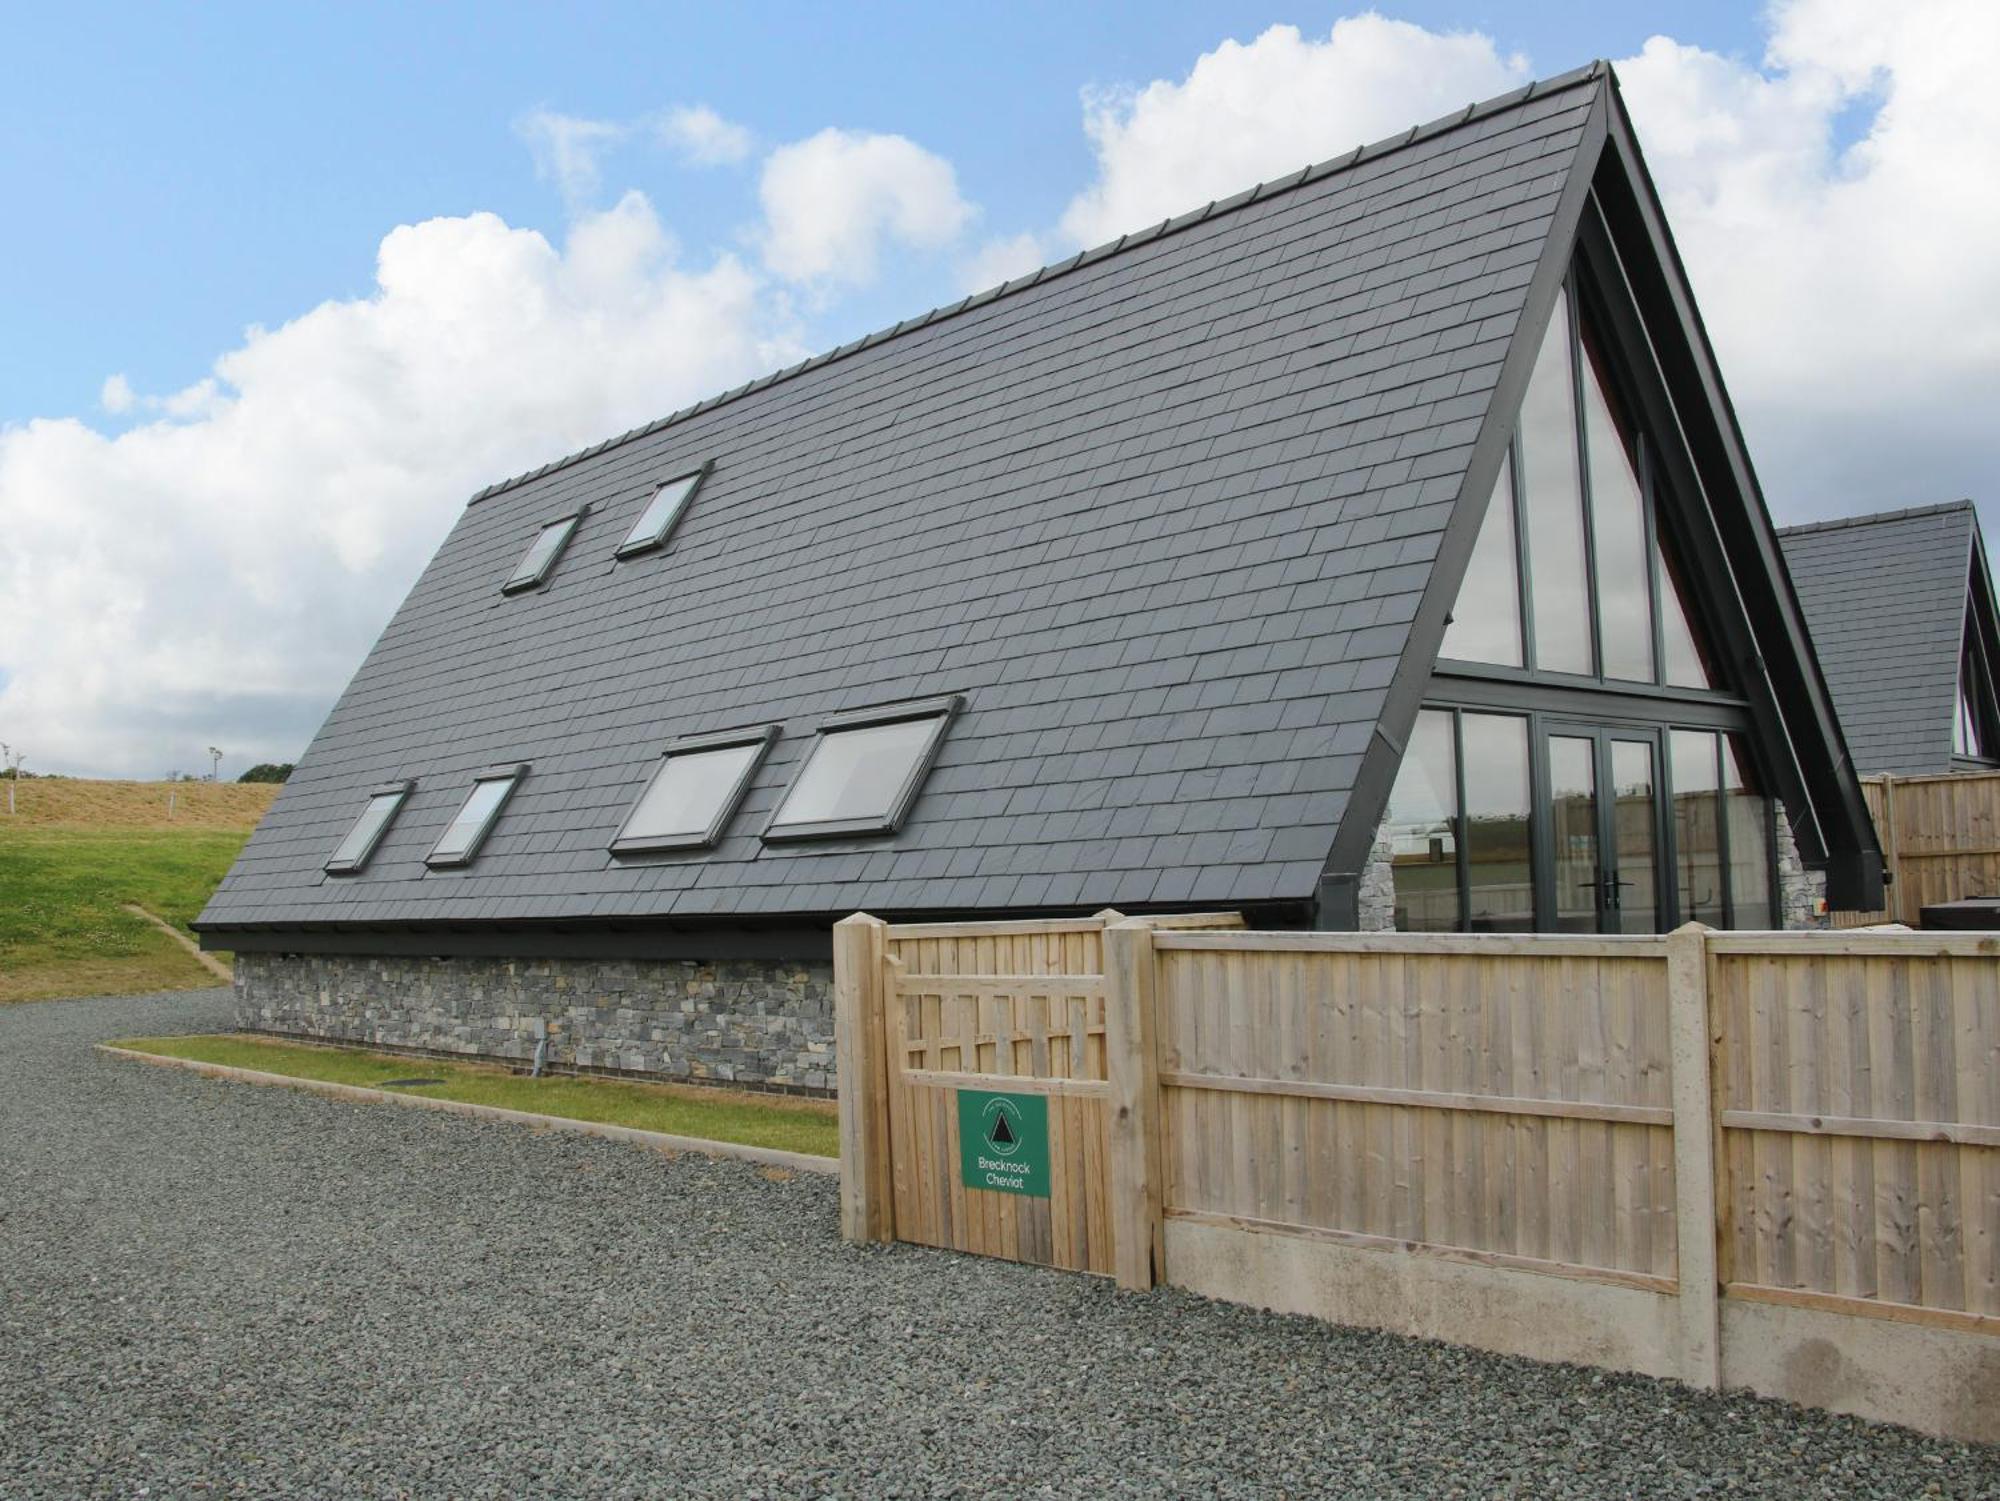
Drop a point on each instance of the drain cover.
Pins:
(407, 1083)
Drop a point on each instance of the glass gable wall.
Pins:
(1614, 788)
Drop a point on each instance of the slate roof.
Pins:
(1163, 514)
(1885, 599)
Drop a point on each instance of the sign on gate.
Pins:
(1003, 1142)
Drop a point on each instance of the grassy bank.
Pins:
(74, 852)
(683, 1110)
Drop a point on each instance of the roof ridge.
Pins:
(1875, 518)
(1314, 172)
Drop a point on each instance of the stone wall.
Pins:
(764, 1024)
(1800, 891)
(1376, 901)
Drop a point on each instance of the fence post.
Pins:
(1138, 1231)
(1694, 1156)
(861, 1069)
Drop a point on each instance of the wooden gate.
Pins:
(932, 1010)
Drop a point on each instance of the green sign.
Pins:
(1003, 1142)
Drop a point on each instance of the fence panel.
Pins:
(1940, 838)
(1516, 1104)
(1859, 1094)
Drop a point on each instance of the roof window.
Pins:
(663, 512)
(475, 820)
(693, 793)
(541, 556)
(380, 811)
(864, 771)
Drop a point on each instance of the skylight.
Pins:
(691, 796)
(354, 851)
(656, 523)
(542, 554)
(864, 771)
(475, 820)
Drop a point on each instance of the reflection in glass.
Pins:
(1423, 823)
(1573, 816)
(1618, 524)
(1486, 620)
(1687, 662)
(467, 831)
(360, 842)
(1749, 817)
(1499, 867)
(1692, 758)
(1553, 499)
(858, 774)
(687, 796)
(1635, 812)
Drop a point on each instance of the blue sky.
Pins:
(281, 286)
(185, 172)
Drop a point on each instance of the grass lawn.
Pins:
(61, 887)
(685, 1110)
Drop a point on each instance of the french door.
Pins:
(1603, 872)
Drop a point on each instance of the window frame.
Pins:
(513, 776)
(401, 791)
(943, 709)
(634, 546)
(760, 736)
(520, 583)
(1584, 302)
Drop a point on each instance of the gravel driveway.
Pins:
(208, 1288)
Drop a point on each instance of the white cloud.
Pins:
(569, 150)
(832, 200)
(1249, 112)
(701, 137)
(117, 396)
(213, 575)
(1004, 259)
(1853, 295)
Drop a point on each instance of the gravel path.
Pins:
(213, 1289)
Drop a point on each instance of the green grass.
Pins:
(683, 1110)
(61, 930)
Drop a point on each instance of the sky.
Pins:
(282, 286)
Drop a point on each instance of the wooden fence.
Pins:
(1749, 1159)
(1940, 838)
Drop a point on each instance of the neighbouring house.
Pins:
(1901, 609)
(1374, 548)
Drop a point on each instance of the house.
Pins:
(1900, 605)
(1373, 548)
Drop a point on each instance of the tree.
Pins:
(268, 771)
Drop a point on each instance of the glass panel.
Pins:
(1486, 620)
(1554, 505)
(1635, 811)
(1618, 525)
(660, 514)
(1697, 826)
(1963, 741)
(463, 835)
(1423, 823)
(1688, 662)
(1749, 818)
(542, 553)
(857, 773)
(1573, 810)
(1498, 866)
(687, 795)
(360, 840)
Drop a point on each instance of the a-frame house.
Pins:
(1376, 547)
(1902, 614)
